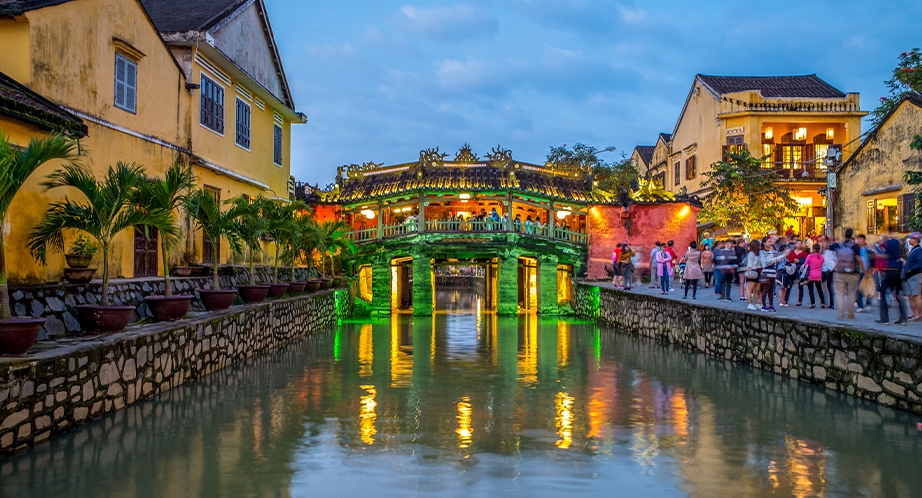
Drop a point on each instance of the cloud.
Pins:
(449, 24)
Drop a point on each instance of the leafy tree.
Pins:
(334, 236)
(282, 225)
(16, 165)
(609, 176)
(167, 194)
(251, 226)
(914, 178)
(745, 195)
(907, 77)
(110, 207)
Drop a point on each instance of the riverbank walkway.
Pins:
(862, 321)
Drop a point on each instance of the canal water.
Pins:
(469, 404)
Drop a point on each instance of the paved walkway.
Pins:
(863, 321)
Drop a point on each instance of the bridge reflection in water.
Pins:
(477, 404)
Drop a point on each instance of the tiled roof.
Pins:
(665, 137)
(19, 7)
(171, 16)
(19, 102)
(645, 152)
(450, 178)
(806, 86)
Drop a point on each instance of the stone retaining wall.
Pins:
(867, 364)
(56, 390)
(55, 301)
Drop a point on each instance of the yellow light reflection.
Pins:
(366, 350)
(803, 469)
(368, 415)
(465, 431)
(401, 359)
(564, 419)
(528, 352)
(679, 413)
(563, 343)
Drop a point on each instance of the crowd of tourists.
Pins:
(849, 275)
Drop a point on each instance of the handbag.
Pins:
(751, 274)
(868, 286)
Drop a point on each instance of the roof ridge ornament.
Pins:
(465, 155)
(499, 157)
(650, 190)
(431, 157)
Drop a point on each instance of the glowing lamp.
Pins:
(830, 133)
(465, 196)
(769, 134)
(563, 214)
(368, 214)
(684, 212)
(800, 134)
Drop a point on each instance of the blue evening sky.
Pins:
(380, 80)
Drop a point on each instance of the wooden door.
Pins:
(145, 252)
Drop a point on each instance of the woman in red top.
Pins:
(797, 258)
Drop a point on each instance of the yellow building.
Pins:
(871, 196)
(653, 159)
(215, 96)
(789, 120)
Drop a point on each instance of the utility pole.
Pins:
(833, 157)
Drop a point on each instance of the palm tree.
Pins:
(301, 240)
(252, 227)
(16, 165)
(215, 223)
(282, 225)
(167, 194)
(110, 208)
(334, 237)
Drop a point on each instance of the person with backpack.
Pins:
(725, 264)
(912, 275)
(889, 265)
(845, 275)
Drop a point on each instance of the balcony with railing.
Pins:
(473, 226)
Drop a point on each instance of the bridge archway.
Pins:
(475, 276)
(401, 284)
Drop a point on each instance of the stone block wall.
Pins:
(867, 364)
(55, 301)
(62, 388)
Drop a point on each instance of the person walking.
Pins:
(845, 275)
(664, 270)
(912, 275)
(797, 257)
(813, 266)
(616, 266)
(725, 263)
(769, 259)
(890, 267)
(675, 257)
(693, 271)
(707, 264)
(741, 251)
(654, 275)
(862, 301)
(626, 258)
(829, 264)
(751, 267)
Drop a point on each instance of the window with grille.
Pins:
(243, 124)
(126, 84)
(677, 172)
(212, 106)
(691, 169)
(277, 145)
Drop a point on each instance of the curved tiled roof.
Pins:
(527, 179)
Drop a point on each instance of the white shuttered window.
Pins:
(126, 84)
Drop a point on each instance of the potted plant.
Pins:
(79, 259)
(282, 226)
(309, 237)
(110, 209)
(17, 335)
(168, 194)
(216, 223)
(251, 228)
(334, 238)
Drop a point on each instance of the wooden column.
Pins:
(380, 219)
(509, 212)
(550, 220)
(421, 222)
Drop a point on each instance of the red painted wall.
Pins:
(649, 223)
(326, 212)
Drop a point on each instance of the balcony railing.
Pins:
(800, 172)
(410, 228)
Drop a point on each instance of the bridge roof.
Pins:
(497, 172)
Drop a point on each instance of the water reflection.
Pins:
(468, 404)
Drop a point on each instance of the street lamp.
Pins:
(833, 158)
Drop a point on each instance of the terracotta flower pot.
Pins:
(296, 288)
(337, 281)
(326, 283)
(167, 309)
(277, 290)
(182, 271)
(79, 275)
(217, 299)
(96, 318)
(312, 286)
(17, 335)
(78, 260)
(196, 271)
(253, 293)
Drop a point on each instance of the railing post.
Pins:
(380, 219)
(509, 212)
(421, 219)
